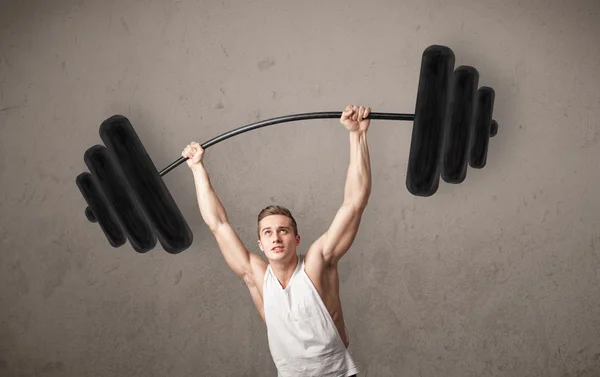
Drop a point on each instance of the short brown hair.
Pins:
(277, 210)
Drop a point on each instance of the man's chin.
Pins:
(276, 256)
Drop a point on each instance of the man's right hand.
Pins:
(194, 153)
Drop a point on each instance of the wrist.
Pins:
(197, 168)
(358, 134)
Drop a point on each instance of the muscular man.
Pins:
(297, 297)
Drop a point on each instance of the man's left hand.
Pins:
(354, 118)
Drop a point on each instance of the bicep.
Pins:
(235, 253)
(341, 234)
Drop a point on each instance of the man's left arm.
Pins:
(342, 232)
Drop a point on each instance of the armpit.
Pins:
(249, 280)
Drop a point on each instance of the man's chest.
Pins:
(326, 282)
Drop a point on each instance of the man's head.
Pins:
(277, 232)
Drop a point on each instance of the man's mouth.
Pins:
(277, 249)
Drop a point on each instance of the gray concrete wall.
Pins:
(498, 276)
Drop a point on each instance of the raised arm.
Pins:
(342, 232)
(238, 258)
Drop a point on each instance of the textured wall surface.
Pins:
(498, 276)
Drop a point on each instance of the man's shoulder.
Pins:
(315, 258)
(257, 261)
(317, 267)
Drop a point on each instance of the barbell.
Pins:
(452, 125)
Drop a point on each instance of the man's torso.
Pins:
(325, 278)
(303, 336)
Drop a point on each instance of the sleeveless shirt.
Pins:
(303, 339)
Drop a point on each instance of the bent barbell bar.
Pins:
(285, 119)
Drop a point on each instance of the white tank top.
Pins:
(303, 339)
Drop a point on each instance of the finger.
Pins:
(346, 114)
(347, 111)
(367, 111)
(361, 113)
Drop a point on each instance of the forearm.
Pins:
(212, 210)
(358, 180)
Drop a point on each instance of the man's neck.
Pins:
(284, 270)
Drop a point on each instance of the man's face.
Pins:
(276, 237)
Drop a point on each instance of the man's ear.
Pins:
(297, 239)
(260, 245)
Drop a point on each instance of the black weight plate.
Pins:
(136, 228)
(482, 127)
(459, 124)
(423, 175)
(145, 184)
(100, 209)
